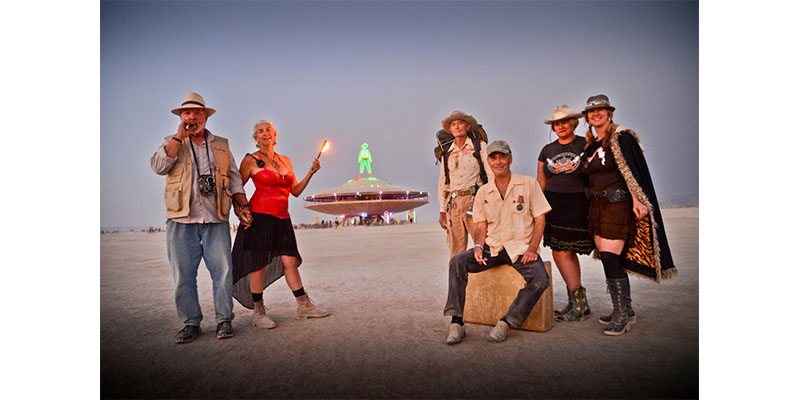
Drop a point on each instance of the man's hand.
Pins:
(183, 133)
(478, 254)
(242, 210)
(188, 127)
(529, 256)
(246, 218)
(443, 220)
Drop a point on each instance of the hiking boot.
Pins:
(499, 332)
(187, 334)
(260, 317)
(455, 333)
(224, 330)
(606, 319)
(307, 309)
(619, 323)
(578, 306)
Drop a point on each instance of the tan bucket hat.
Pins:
(459, 115)
(561, 113)
(193, 100)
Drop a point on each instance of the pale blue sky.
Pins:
(386, 73)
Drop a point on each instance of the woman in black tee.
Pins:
(566, 232)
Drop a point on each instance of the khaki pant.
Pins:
(459, 224)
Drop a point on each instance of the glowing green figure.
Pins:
(364, 159)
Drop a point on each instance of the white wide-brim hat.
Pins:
(561, 113)
(194, 100)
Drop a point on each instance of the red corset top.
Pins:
(272, 193)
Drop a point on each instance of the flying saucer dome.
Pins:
(365, 196)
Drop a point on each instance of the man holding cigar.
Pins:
(509, 217)
(202, 178)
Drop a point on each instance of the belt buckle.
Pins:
(453, 194)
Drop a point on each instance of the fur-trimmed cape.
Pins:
(647, 255)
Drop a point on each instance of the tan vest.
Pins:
(178, 191)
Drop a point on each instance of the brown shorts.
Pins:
(611, 220)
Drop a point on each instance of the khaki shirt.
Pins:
(510, 226)
(464, 170)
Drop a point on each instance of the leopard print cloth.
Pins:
(640, 249)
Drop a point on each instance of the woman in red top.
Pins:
(267, 249)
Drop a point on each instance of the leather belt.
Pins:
(613, 194)
(464, 192)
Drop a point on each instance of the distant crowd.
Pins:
(376, 220)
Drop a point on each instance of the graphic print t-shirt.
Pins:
(562, 164)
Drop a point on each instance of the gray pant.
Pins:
(536, 282)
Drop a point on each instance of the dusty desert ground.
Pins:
(386, 288)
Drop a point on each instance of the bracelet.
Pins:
(177, 140)
(243, 206)
(479, 246)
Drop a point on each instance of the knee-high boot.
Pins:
(605, 319)
(620, 290)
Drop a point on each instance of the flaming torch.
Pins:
(325, 146)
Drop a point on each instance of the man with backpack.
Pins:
(463, 169)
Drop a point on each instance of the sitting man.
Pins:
(509, 214)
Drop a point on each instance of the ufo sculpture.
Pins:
(365, 196)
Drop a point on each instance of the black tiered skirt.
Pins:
(566, 226)
(260, 246)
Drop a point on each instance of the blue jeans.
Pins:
(186, 245)
(536, 282)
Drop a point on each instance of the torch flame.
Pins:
(325, 146)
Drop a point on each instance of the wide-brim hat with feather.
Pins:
(561, 113)
(459, 115)
(598, 101)
(193, 100)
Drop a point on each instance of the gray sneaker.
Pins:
(499, 332)
(455, 333)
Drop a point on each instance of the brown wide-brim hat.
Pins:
(459, 115)
(193, 100)
(598, 101)
(561, 113)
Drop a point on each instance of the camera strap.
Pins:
(208, 156)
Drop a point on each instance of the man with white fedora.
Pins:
(463, 169)
(201, 181)
(509, 217)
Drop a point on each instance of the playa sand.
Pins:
(386, 288)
